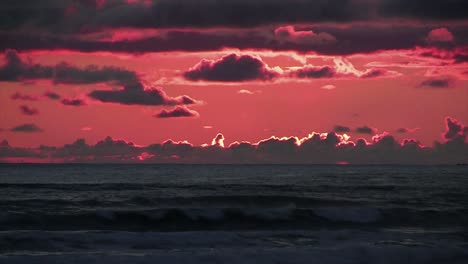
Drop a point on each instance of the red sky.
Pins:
(247, 77)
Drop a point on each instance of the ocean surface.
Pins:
(233, 214)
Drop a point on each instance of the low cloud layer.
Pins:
(315, 148)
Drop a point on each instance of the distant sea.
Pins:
(233, 214)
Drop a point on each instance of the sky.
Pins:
(234, 81)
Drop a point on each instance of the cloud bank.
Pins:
(315, 148)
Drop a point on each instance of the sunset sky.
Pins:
(146, 71)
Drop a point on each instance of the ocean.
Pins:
(81, 213)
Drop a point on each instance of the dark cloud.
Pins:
(424, 9)
(231, 68)
(26, 128)
(454, 129)
(69, 74)
(24, 97)
(341, 129)
(136, 94)
(315, 72)
(316, 148)
(73, 102)
(16, 69)
(26, 110)
(52, 95)
(374, 73)
(178, 111)
(457, 55)
(402, 130)
(354, 38)
(440, 83)
(70, 16)
(342, 69)
(365, 130)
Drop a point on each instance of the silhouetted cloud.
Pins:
(16, 69)
(343, 68)
(231, 68)
(365, 130)
(454, 129)
(341, 129)
(28, 110)
(439, 83)
(178, 111)
(24, 97)
(70, 16)
(136, 94)
(315, 148)
(52, 95)
(73, 102)
(315, 72)
(26, 128)
(350, 39)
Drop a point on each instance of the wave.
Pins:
(201, 201)
(183, 219)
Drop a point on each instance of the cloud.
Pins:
(423, 9)
(365, 130)
(328, 87)
(178, 111)
(404, 130)
(136, 94)
(341, 129)
(439, 83)
(454, 129)
(26, 110)
(52, 95)
(310, 71)
(440, 35)
(71, 16)
(232, 68)
(69, 74)
(374, 73)
(26, 128)
(342, 69)
(247, 92)
(218, 140)
(308, 37)
(24, 97)
(73, 102)
(16, 69)
(350, 39)
(315, 148)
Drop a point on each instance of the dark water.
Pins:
(233, 214)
